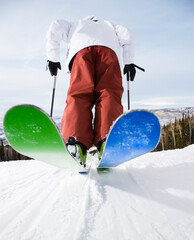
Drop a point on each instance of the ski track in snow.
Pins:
(151, 197)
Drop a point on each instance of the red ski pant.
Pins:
(95, 81)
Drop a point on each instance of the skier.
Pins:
(94, 61)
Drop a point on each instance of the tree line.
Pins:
(7, 153)
(178, 134)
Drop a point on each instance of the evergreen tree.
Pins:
(178, 134)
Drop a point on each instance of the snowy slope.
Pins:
(151, 197)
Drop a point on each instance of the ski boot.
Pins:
(100, 148)
(77, 150)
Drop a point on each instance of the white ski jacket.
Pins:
(90, 31)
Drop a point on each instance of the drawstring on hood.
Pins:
(92, 17)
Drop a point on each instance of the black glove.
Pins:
(53, 67)
(131, 69)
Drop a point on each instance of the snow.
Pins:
(150, 197)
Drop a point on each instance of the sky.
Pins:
(163, 32)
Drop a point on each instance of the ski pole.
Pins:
(128, 93)
(53, 95)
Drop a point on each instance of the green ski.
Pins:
(31, 132)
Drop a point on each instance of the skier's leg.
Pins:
(108, 92)
(77, 117)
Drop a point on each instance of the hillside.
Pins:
(151, 197)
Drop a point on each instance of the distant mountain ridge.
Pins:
(168, 115)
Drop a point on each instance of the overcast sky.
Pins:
(163, 31)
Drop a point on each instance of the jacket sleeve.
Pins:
(126, 42)
(58, 31)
